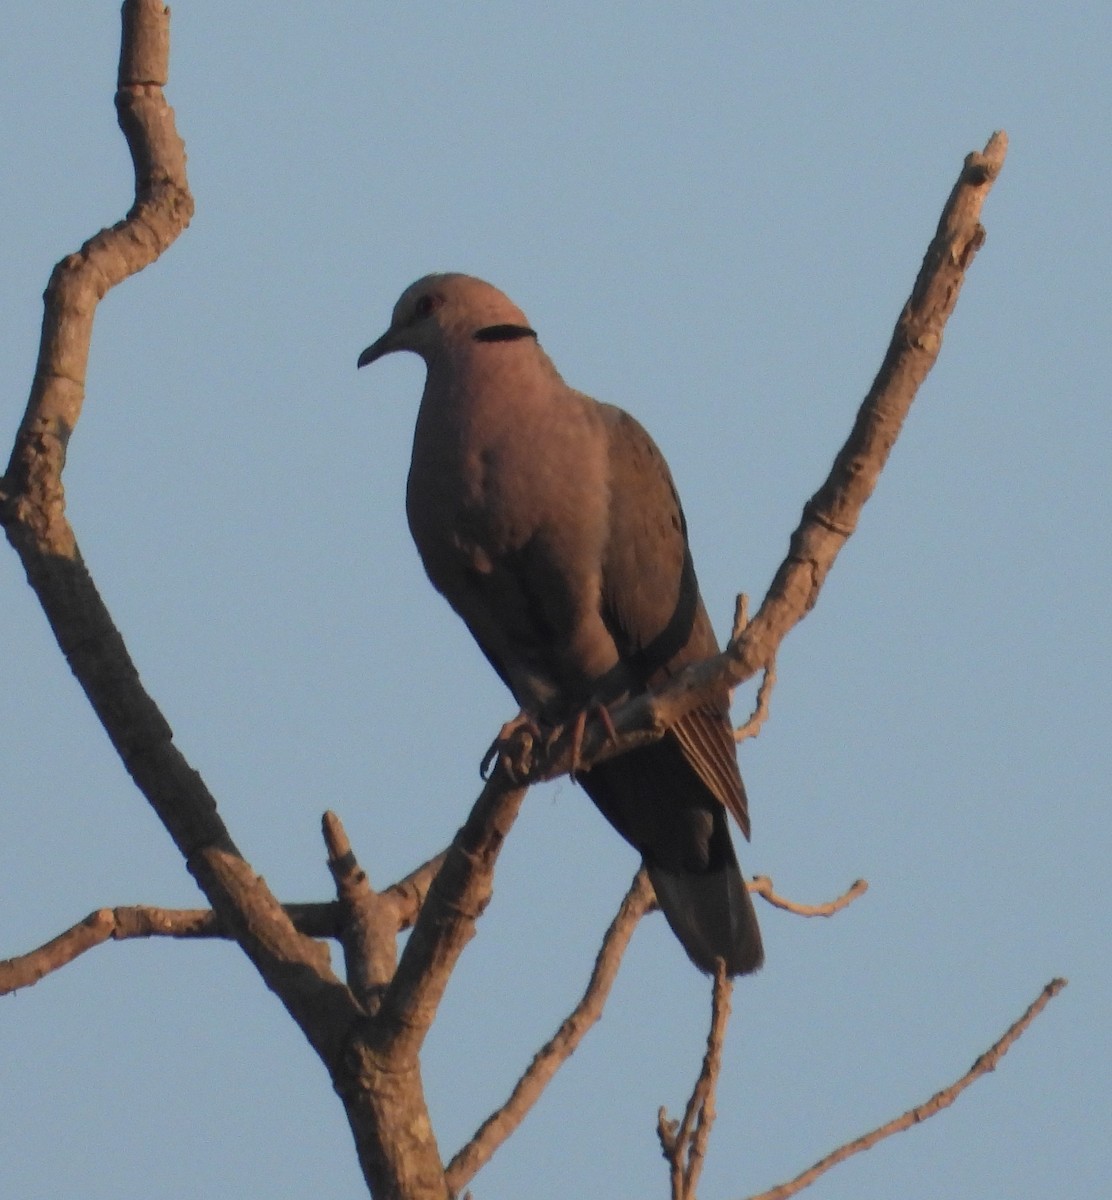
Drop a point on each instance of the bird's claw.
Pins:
(513, 747)
(516, 741)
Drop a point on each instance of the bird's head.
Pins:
(440, 313)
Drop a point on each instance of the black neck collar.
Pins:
(503, 333)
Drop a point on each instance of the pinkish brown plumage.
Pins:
(551, 525)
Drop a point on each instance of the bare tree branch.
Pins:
(32, 505)
(940, 1100)
(501, 1124)
(372, 1057)
(762, 885)
(408, 894)
(456, 899)
(140, 921)
(759, 715)
(831, 515)
(741, 616)
(382, 1092)
(370, 924)
(684, 1143)
(314, 919)
(320, 919)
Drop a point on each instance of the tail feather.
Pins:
(660, 804)
(713, 917)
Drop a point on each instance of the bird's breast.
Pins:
(460, 499)
(494, 466)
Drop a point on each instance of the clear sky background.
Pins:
(712, 214)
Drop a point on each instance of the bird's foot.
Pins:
(513, 747)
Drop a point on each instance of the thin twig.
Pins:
(940, 1100)
(761, 885)
(684, 1143)
(501, 1124)
(759, 715)
(741, 616)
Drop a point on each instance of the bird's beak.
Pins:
(376, 350)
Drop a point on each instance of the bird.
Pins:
(550, 523)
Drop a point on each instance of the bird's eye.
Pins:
(427, 304)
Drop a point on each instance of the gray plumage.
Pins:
(551, 525)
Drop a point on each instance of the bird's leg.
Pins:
(579, 728)
(603, 714)
(514, 746)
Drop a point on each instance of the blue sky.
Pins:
(712, 215)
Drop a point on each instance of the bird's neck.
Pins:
(485, 386)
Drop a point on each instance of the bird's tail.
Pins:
(659, 804)
(712, 915)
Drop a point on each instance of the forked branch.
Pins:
(331, 918)
(315, 919)
(372, 1055)
(684, 1142)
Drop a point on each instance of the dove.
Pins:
(550, 523)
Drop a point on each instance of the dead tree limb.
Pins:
(752, 726)
(368, 926)
(763, 886)
(381, 1091)
(832, 513)
(329, 919)
(684, 1142)
(371, 1056)
(564, 1042)
(940, 1100)
(315, 919)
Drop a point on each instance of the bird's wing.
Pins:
(651, 601)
